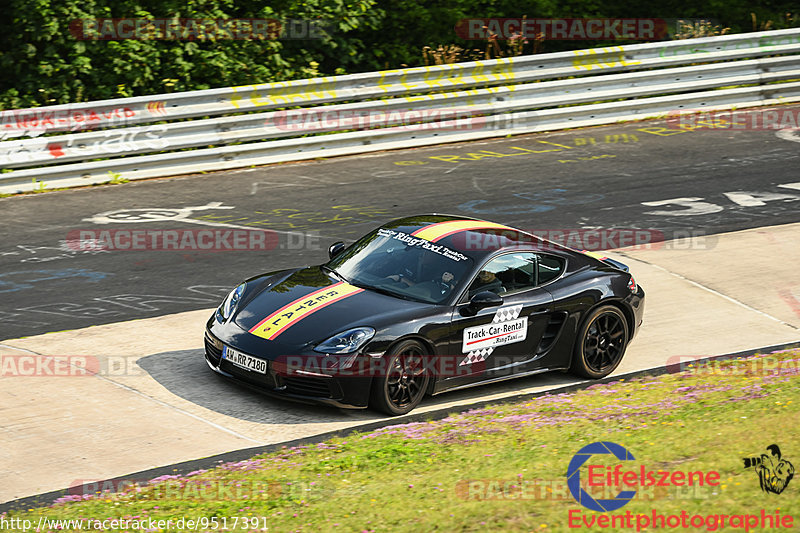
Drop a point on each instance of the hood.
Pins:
(309, 306)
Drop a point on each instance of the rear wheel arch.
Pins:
(600, 303)
(626, 311)
(577, 366)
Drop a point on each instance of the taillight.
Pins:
(632, 285)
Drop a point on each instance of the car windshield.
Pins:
(405, 266)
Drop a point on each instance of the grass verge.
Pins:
(498, 468)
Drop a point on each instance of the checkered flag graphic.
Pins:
(505, 314)
(502, 315)
(477, 356)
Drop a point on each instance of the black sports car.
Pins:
(424, 305)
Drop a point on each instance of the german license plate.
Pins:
(248, 362)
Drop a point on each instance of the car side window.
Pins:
(515, 272)
(549, 268)
(506, 274)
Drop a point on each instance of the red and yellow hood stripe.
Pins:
(295, 311)
(438, 231)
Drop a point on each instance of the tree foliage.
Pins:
(43, 64)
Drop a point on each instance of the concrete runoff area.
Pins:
(154, 401)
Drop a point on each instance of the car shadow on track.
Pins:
(185, 374)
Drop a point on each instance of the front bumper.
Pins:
(305, 387)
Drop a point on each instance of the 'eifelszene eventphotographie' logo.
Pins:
(608, 487)
(574, 477)
(612, 478)
(774, 472)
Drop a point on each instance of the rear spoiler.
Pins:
(607, 260)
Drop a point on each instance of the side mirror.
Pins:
(485, 299)
(335, 249)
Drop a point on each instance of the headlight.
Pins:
(347, 341)
(231, 301)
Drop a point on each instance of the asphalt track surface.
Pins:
(598, 177)
(608, 177)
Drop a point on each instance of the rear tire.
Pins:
(601, 343)
(402, 386)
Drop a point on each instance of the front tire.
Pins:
(601, 343)
(402, 386)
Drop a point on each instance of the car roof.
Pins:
(474, 237)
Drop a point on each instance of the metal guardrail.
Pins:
(457, 102)
(279, 124)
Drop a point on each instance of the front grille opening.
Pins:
(307, 386)
(212, 352)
